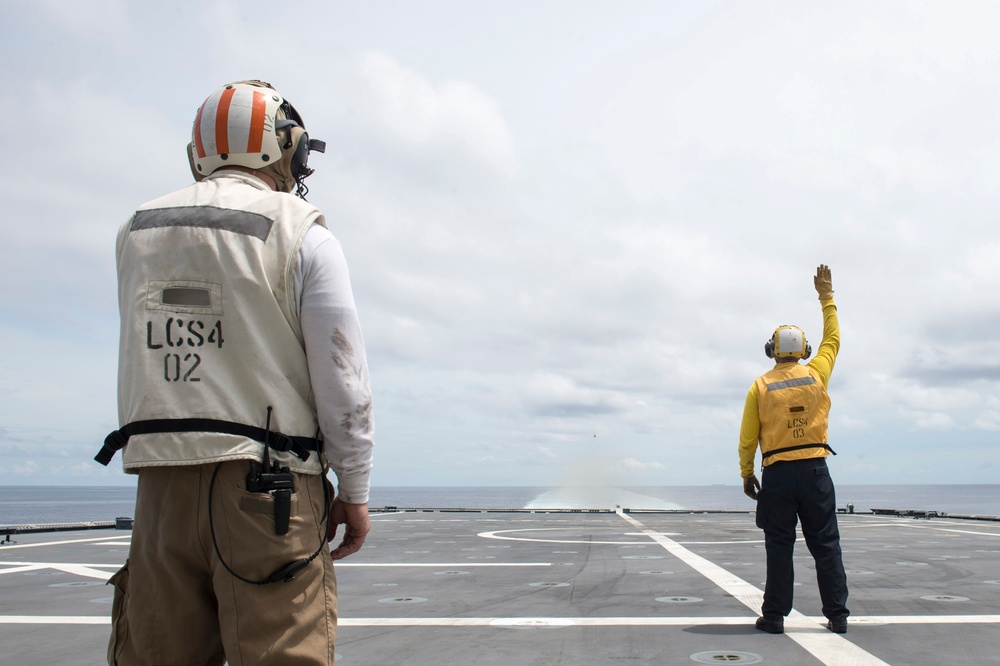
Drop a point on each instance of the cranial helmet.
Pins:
(249, 124)
(788, 341)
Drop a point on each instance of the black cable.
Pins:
(287, 572)
(301, 190)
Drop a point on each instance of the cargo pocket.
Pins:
(824, 483)
(263, 510)
(263, 503)
(761, 514)
(119, 614)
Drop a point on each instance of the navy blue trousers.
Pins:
(792, 491)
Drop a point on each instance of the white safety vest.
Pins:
(209, 323)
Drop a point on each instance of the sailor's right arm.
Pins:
(749, 432)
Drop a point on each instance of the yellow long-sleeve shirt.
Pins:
(822, 363)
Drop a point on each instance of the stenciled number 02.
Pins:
(180, 367)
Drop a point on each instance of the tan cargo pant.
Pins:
(175, 603)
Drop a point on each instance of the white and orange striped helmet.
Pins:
(249, 124)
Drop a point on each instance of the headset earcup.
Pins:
(769, 348)
(300, 153)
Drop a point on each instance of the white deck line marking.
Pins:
(55, 619)
(831, 649)
(59, 543)
(75, 567)
(496, 535)
(949, 529)
(52, 565)
(720, 543)
(547, 621)
(442, 564)
(922, 619)
(15, 568)
(85, 571)
(658, 621)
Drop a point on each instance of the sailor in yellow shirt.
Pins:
(786, 415)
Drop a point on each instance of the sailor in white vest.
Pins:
(242, 380)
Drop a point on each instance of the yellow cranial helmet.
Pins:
(788, 341)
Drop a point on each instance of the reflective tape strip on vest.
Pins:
(794, 410)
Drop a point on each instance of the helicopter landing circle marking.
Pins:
(501, 534)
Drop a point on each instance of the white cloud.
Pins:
(913, 167)
(451, 115)
(937, 398)
(988, 420)
(559, 225)
(816, 171)
(984, 262)
(548, 394)
(933, 421)
(23, 470)
(103, 22)
(631, 465)
(926, 41)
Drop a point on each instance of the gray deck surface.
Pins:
(483, 588)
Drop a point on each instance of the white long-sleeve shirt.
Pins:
(338, 367)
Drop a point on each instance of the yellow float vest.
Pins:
(794, 410)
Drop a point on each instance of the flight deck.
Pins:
(485, 587)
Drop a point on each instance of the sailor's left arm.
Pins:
(826, 355)
(338, 366)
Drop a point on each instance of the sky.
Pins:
(571, 225)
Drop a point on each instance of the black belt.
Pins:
(300, 446)
(764, 456)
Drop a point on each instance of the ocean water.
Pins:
(20, 505)
(957, 499)
(31, 505)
